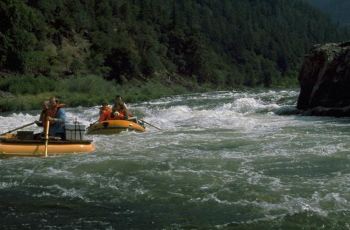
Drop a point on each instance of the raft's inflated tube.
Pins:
(114, 126)
(15, 147)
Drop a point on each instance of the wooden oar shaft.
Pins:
(21, 127)
(150, 124)
(47, 127)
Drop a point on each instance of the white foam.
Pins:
(6, 185)
(200, 134)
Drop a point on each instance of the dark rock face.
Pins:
(325, 81)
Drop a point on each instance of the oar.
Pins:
(18, 128)
(47, 135)
(94, 122)
(150, 124)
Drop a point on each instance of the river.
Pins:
(223, 160)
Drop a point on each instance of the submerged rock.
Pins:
(325, 81)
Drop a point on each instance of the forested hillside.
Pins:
(222, 43)
(337, 9)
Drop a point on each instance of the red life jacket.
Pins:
(51, 112)
(120, 116)
(105, 114)
(121, 113)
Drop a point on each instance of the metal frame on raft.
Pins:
(25, 143)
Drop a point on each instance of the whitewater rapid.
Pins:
(221, 159)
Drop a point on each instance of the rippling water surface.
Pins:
(225, 160)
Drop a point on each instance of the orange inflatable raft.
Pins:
(10, 145)
(115, 126)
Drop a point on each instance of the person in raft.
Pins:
(105, 112)
(57, 117)
(120, 110)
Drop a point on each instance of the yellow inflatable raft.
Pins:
(12, 146)
(114, 126)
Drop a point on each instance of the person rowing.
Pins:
(53, 111)
(57, 117)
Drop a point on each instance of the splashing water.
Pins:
(222, 160)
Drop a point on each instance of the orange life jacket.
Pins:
(105, 114)
(51, 112)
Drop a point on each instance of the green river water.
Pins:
(223, 160)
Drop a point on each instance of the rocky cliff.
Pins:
(325, 81)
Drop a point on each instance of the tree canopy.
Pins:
(241, 42)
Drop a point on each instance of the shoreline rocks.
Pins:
(325, 81)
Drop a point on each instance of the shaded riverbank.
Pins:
(22, 93)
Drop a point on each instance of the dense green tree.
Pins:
(20, 29)
(250, 42)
